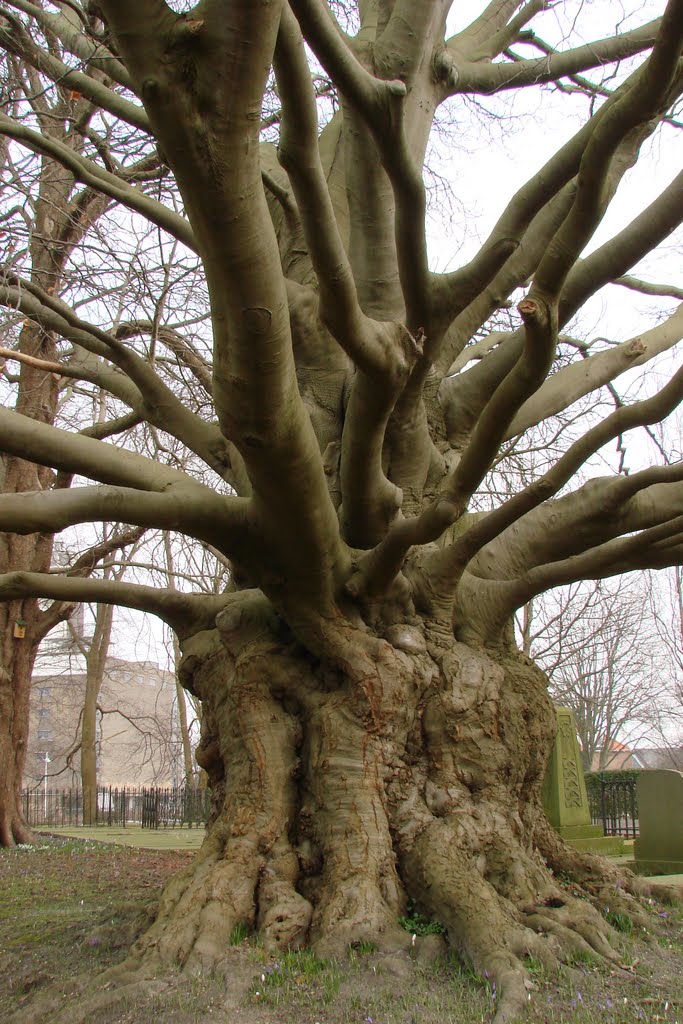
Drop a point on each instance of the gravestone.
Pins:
(564, 793)
(658, 850)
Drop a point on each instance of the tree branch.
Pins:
(151, 398)
(489, 78)
(446, 566)
(649, 288)
(380, 104)
(38, 442)
(184, 613)
(87, 50)
(212, 143)
(610, 261)
(385, 561)
(608, 559)
(89, 173)
(86, 85)
(580, 378)
(60, 610)
(645, 98)
(298, 153)
(187, 508)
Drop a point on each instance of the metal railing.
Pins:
(613, 804)
(150, 807)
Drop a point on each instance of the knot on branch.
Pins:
(445, 69)
(537, 313)
(248, 617)
(411, 347)
(528, 309)
(257, 319)
(151, 87)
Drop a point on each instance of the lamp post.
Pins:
(46, 759)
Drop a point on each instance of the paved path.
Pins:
(191, 839)
(144, 838)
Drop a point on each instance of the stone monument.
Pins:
(658, 850)
(564, 793)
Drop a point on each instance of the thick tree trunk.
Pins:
(37, 398)
(16, 664)
(17, 656)
(410, 770)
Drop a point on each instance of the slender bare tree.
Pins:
(46, 215)
(601, 650)
(369, 728)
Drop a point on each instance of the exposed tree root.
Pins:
(490, 921)
(345, 790)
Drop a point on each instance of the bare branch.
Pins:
(580, 378)
(86, 85)
(298, 154)
(185, 613)
(644, 99)
(384, 562)
(649, 288)
(88, 50)
(490, 78)
(96, 177)
(446, 566)
(189, 508)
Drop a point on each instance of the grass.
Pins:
(72, 905)
(239, 934)
(297, 978)
(621, 922)
(417, 924)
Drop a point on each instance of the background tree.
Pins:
(369, 728)
(600, 648)
(46, 214)
(94, 650)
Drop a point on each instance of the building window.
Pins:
(43, 692)
(43, 734)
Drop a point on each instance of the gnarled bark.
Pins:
(399, 768)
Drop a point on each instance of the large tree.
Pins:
(370, 730)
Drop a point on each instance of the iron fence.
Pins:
(613, 804)
(150, 807)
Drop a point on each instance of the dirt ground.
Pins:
(70, 908)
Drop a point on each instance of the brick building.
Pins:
(137, 732)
